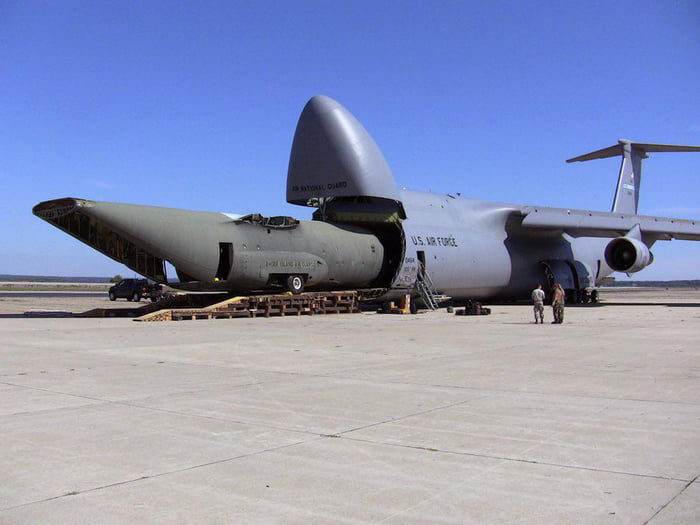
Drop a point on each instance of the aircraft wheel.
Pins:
(136, 297)
(295, 283)
(112, 297)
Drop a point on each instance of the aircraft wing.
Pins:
(584, 223)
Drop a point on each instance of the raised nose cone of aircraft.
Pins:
(333, 155)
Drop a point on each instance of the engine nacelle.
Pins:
(628, 255)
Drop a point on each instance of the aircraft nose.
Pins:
(321, 104)
(333, 155)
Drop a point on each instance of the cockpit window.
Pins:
(279, 221)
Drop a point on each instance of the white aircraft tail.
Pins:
(629, 181)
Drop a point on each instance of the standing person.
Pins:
(538, 301)
(558, 299)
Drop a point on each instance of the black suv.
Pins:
(134, 290)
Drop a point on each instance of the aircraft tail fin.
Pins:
(627, 192)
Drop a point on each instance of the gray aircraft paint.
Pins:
(492, 256)
(368, 233)
(333, 155)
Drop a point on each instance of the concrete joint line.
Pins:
(687, 485)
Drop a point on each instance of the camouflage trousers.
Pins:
(539, 311)
(558, 310)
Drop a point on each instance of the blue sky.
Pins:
(194, 105)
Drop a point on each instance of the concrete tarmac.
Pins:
(358, 418)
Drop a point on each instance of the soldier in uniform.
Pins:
(537, 296)
(558, 299)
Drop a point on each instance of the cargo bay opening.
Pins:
(380, 216)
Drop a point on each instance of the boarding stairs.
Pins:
(426, 290)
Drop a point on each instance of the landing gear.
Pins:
(573, 296)
(295, 284)
(581, 296)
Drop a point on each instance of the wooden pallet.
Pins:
(310, 303)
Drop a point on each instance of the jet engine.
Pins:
(628, 255)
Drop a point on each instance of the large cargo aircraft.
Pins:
(366, 233)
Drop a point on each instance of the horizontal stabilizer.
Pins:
(617, 149)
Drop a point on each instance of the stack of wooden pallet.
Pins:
(310, 303)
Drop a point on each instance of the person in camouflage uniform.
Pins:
(537, 296)
(558, 300)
